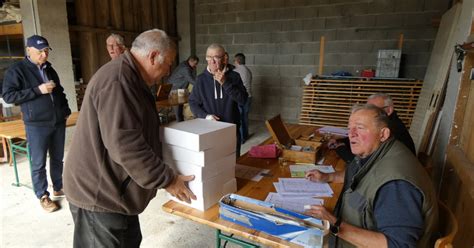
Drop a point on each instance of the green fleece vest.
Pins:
(391, 161)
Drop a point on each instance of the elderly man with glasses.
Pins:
(218, 92)
(398, 129)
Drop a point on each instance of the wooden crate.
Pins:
(281, 135)
(328, 102)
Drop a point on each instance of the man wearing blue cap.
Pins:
(34, 85)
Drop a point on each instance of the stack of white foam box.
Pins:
(205, 149)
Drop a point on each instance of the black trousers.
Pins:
(98, 229)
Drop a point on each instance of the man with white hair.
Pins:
(115, 45)
(114, 165)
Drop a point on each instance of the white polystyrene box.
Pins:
(199, 134)
(210, 192)
(206, 172)
(202, 158)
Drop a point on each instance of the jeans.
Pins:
(102, 229)
(244, 120)
(40, 141)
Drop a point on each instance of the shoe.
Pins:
(48, 205)
(59, 193)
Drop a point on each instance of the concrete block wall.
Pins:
(281, 38)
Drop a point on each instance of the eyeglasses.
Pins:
(215, 58)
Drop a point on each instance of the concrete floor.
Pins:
(24, 223)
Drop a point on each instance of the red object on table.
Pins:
(368, 73)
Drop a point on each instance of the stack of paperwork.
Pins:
(296, 194)
(299, 170)
(334, 130)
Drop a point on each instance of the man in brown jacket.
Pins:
(114, 165)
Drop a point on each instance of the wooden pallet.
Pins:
(329, 101)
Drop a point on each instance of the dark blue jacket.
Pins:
(20, 86)
(205, 99)
(182, 76)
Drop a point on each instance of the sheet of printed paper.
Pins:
(280, 191)
(302, 185)
(292, 203)
(249, 172)
(334, 130)
(299, 170)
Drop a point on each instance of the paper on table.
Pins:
(303, 185)
(299, 170)
(296, 148)
(292, 203)
(280, 191)
(334, 130)
(249, 172)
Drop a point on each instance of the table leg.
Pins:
(20, 147)
(13, 158)
(220, 236)
(4, 157)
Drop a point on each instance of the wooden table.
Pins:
(12, 131)
(172, 101)
(258, 190)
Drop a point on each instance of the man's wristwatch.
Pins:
(334, 228)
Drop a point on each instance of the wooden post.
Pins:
(162, 13)
(127, 6)
(400, 42)
(87, 40)
(102, 15)
(321, 56)
(116, 14)
(146, 15)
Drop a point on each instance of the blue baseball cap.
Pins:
(37, 42)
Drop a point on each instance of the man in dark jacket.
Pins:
(397, 128)
(183, 75)
(114, 166)
(34, 84)
(218, 92)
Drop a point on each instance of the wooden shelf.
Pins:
(329, 101)
(11, 29)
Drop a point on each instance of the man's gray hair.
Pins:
(152, 40)
(215, 46)
(381, 118)
(387, 99)
(118, 38)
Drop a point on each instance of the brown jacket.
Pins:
(114, 163)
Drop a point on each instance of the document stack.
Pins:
(205, 149)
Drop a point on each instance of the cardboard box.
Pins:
(284, 224)
(204, 173)
(199, 134)
(202, 158)
(209, 192)
(281, 135)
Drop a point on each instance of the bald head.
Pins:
(154, 51)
